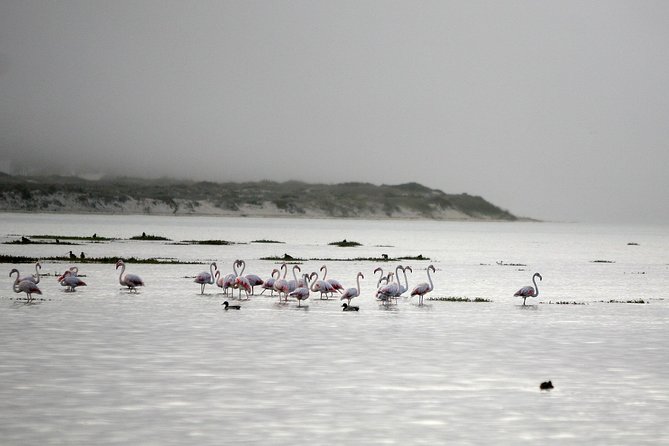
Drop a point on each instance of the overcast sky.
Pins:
(556, 110)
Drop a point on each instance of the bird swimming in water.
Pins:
(231, 307)
(347, 307)
(546, 385)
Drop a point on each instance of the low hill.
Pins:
(262, 198)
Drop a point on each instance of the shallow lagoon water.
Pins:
(169, 366)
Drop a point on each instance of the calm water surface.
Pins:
(169, 366)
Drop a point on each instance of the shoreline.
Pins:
(307, 216)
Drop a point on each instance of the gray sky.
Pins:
(555, 110)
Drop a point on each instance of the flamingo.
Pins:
(132, 281)
(24, 286)
(350, 293)
(228, 281)
(281, 284)
(301, 293)
(205, 277)
(403, 289)
(336, 286)
(422, 289)
(252, 279)
(347, 307)
(243, 282)
(321, 286)
(294, 283)
(392, 289)
(528, 291)
(33, 278)
(269, 283)
(71, 281)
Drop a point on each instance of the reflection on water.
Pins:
(171, 366)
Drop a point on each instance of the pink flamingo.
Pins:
(228, 281)
(132, 281)
(24, 286)
(71, 281)
(301, 293)
(281, 284)
(528, 291)
(350, 293)
(269, 283)
(422, 289)
(321, 286)
(252, 279)
(336, 286)
(205, 277)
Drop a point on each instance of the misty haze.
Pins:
(551, 111)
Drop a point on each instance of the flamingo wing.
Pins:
(254, 280)
(133, 280)
(203, 277)
(350, 293)
(526, 291)
(26, 286)
(420, 289)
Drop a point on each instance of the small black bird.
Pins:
(546, 385)
(348, 307)
(231, 307)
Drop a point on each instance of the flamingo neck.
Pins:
(120, 276)
(429, 277)
(357, 280)
(378, 284)
(325, 269)
(536, 288)
(243, 264)
(397, 274)
(211, 270)
(315, 276)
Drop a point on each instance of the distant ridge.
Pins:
(126, 195)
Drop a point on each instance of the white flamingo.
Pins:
(422, 289)
(205, 277)
(350, 293)
(528, 291)
(24, 286)
(132, 281)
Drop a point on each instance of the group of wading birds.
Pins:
(389, 286)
